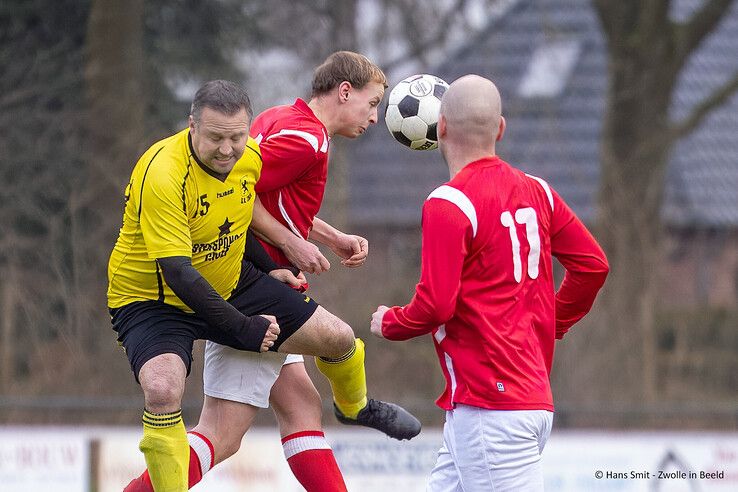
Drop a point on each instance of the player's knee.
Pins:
(340, 339)
(345, 339)
(161, 395)
(162, 380)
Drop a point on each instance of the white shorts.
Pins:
(491, 450)
(244, 377)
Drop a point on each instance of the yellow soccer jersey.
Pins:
(174, 207)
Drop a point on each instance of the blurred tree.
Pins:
(647, 49)
(40, 113)
(85, 86)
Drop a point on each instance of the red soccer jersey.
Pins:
(294, 148)
(486, 288)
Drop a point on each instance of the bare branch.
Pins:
(419, 47)
(688, 36)
(716, 99)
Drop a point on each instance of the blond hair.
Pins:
(346, 66)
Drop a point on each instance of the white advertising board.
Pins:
(41, 459)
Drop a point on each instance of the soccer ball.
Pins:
(412, 111)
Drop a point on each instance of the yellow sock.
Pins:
(167, 452)
(348, 379)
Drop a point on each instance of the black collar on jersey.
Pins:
(219, 176)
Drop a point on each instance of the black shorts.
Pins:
(150, 328)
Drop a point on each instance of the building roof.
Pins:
(553, 129)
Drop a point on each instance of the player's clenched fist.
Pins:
(271, 334)
(377, 317)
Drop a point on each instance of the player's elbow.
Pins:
(441, 314)
(601, 272)
(596, 279)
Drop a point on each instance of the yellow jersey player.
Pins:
(179, 256)
(177, 275)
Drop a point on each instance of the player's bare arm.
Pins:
(302, 253)
(352, 249)
(267, 227)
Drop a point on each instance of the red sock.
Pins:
(312, 462)
(201, 451)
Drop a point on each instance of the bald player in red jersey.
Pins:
(487, 296)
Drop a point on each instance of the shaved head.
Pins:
(472, 109)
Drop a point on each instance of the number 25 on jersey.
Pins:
(525, 216)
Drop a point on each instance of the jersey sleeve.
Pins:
(163, 212)
(286, 157)
(585, 264)
(447, 234)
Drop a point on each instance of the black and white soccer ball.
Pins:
(412, 111)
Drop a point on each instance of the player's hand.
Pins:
(353, 249)
(377, 317)
(289, 278)
(305, 255)
(271, 334)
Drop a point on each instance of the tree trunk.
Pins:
(635, 152)
(114, 77)
(7, 329)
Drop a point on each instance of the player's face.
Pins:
(360, 109)
(219, 140)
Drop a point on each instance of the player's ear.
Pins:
(441, 128)
(191, 123)
(501, 130)
(344, 88)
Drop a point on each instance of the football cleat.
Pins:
(389, 418)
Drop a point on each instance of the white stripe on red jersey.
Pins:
(309, 138)
(460, 200)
